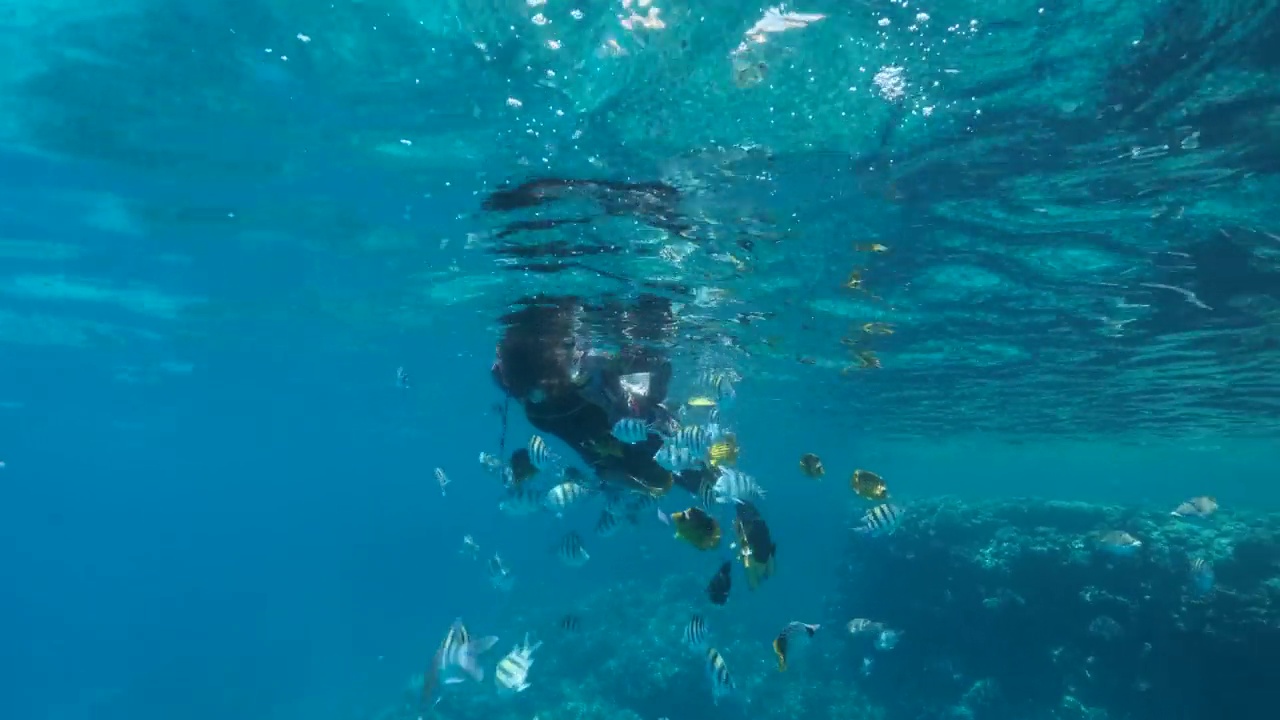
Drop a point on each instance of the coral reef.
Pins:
(1009, 609)
(1019, 609)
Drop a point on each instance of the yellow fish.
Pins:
(696, 527)
(700, 401)
(869, 485)
(724, 452)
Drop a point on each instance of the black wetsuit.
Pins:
(579, 399)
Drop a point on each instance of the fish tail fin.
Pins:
(469, 656)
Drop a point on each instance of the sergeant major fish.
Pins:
(1201, 576)
(676, 459)
(521, 500)
(707, 492)
(719, 386)
(572, 551)
(733, 486)
(696, 634)
(512, 672)
(540, 455)
(697, 440)
(607, 525)
(632, 430)
(880, 520)
(563, 495)
(638, 502)
(718, 674)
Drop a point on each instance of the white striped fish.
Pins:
(607, 525)
(696, 633)
(1201, 575)
(675, 458)
(521, 500)
(881, 520)
(707, 492)
(563, 495)
(457, 657)
(540, 455)
(572, 551)
(698, 440)
(718, 673)
(632, 430)
(733, 486)
(512, 672)
(637, 503)
(719, 385)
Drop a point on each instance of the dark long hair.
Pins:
(536, 349)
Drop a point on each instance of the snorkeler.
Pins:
(578, 394)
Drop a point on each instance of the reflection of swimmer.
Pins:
(652, 203)
(578, 395)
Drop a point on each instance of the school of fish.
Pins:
(538, 480)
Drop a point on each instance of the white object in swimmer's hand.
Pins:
(635, 384)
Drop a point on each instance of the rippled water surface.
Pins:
(1073, 200)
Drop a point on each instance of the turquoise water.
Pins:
(1022, 250)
